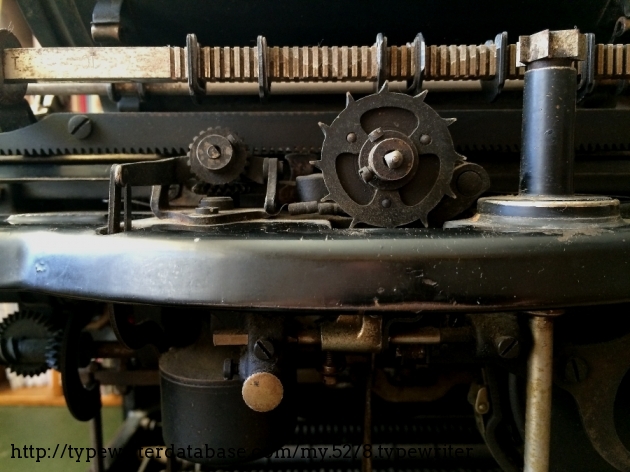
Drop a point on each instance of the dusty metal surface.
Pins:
(593, 375)
(401, 270)
(538, 405)
(355, 168)
(564, 44)
(288, 64)
(357, 333)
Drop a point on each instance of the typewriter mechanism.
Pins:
(290, 231)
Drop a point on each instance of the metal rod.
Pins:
(548, 153)
(241, 88)
(539, 387)
(366, 458)
(96, 437)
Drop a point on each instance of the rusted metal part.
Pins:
(564, 44)
(229, 338)
(539, 387)
(358, 333)
(593, 375)
(299, 64)
(424, 335)
(377, 194)
(404, 394)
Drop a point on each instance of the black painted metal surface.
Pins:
(548, 131)
(171, 133)
(404, 269)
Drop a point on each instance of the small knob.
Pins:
(262, 391)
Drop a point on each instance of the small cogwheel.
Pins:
(26, 324)
(217, 156)
(388, 159)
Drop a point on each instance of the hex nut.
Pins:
(564, 44)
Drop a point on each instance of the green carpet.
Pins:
(45, 427)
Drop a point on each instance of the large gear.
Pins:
(27, 324)
(217, 156)
(388, 159)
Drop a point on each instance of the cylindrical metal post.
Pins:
(548, 128)
(538, 405)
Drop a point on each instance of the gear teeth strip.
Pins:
(324, 127)
(449, 121)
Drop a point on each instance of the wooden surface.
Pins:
(45, 396)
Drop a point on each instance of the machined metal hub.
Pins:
(513, 213)
(388, 159)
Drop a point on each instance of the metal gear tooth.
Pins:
(349, 99)
(53, 349)
(422, 95)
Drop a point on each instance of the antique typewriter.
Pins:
(325, 235)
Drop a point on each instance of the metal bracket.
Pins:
(271, 165)
(196, 90)
(124, 176)
(492, 88)
(263, 68)
(106, 22)
(381, 61)
(587, 78)
(421, 63)
(10, 94)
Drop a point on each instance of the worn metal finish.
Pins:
(357, 175)
(354, 333)
(306, 63)
(406, 269)
(564, 44)
(492, 88)
(10, 94)
(217, 156)
(262, 391)
(593, 375)
(547, 152)
(171, 133)
(546, 189)
(200, 407)
(539, 386)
